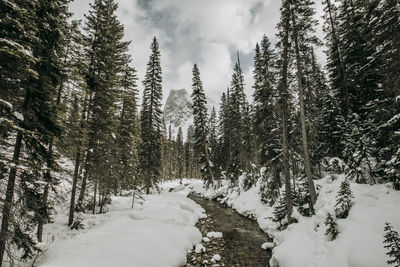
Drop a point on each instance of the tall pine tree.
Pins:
(201, 131)
(150, 120)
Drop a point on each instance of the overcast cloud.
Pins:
(206, 32)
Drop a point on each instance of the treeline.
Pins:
(70, 90)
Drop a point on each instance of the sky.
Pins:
(206, 32)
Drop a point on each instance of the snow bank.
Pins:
(157, 233)
(360, 240)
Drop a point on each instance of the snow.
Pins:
(199, 249)
(267, 245)
(157, 233)
(214, 235)
(6, 104)
(19, 116)
(206, 239)
(215, 258)
(360, 240)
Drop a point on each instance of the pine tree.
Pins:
(386, 108)
(353, 54)
(180, 154)
(343, 200)
(331, 227)
(51, 71)
(189, 153)
(335, 64)
(214, 144)
(128, 131)
(283, 87)
(18, 73)
(266, 119)
(38, 51)
(76, 134)
(280, 212)
(201, 131)
(236, 108)
(303, 26)
(165, 151)
(224, 140)
(106, 59)
(392, 241)
(150, 119)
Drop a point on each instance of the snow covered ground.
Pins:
(360, 239)
(157, 233)
(161, 230)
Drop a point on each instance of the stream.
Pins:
(241, 237)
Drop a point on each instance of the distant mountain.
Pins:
(178, 110)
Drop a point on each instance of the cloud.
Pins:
(206, 32)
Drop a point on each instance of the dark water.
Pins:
(242, 236)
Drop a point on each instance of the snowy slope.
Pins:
(360, 240)
(155, 234)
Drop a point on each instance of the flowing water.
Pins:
(242, 236)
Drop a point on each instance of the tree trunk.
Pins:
(74, 183)
(49, 161)
(94, 198)
(307, 164)
(83, 186)
(9, 196)
(210, 179)
(47, 176)
(283, 95)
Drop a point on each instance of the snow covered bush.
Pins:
(343, 200)
(331, 227)
(392, 240)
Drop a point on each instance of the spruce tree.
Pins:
(201, 131)
(392, 241)
(214, 144)
(343, 200)
(335, 63)
(106, 59)
(150, 120)
(128, 129)
(236, 108)
(39, 53)
(331, 227)
(189, 153)
(303, 26)
(266, 120)
(51, 69)
(386, 108)
(283, 87)
(180, 154)
(224, 140)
